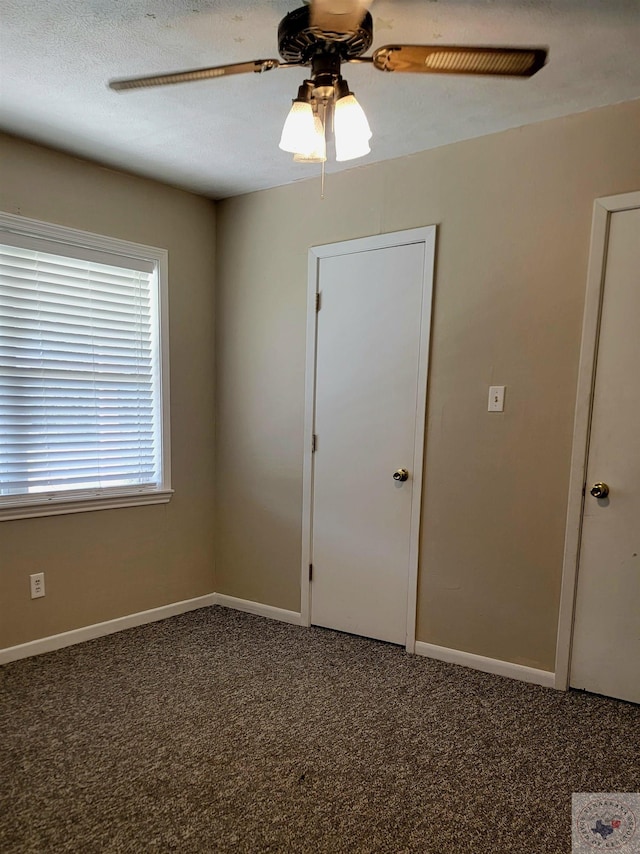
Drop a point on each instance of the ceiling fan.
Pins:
(327, 33)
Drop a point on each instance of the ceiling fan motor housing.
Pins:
(299, 42)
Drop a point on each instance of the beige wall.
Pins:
(110, 563)
(513, 213)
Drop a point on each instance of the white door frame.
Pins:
(602, 210)
(427, 236)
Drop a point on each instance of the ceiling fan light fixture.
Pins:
(351, 149)
(299, 135)
(351, 128)
(323, 35)
(319, 153)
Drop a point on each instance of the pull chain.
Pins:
(324, 131)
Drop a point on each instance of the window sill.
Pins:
(61, 506)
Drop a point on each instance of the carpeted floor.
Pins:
(217, 731)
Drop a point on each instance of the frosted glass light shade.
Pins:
(299, 131)
(319, 153)
(350, 149)
(352, 131)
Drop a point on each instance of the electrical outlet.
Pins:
(37, 585)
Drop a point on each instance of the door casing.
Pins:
(602, 210)
(427, 236)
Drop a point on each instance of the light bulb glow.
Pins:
(299, 131)
(351, 150)
(351, 128)
(319, 153)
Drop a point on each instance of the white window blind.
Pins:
(80, 373)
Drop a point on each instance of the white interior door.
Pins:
(370, 386)
(606, 635)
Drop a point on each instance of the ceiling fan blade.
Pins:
(257, 65)
(454, 59)
(337, 16)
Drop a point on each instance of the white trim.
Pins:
(257, 608)
(375, 241)
(98, 630)
(309, 420)
(487, 665)
(602, 210)
(16, 224)
(164, 383)
(425, 235)
(429, 237)
(61, 506)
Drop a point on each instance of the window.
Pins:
(83, 371)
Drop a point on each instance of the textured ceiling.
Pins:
(220, 137)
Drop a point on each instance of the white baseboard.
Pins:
(453, 656)
(259, 609)
(97, 630)
(487, 665)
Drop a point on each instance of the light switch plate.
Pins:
(496, 398)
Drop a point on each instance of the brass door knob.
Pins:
(599, 490)
(401, 475)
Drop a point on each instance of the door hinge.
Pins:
(318, 301)
(314, 443)
(310, 572)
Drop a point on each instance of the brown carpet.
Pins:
(217, 731)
